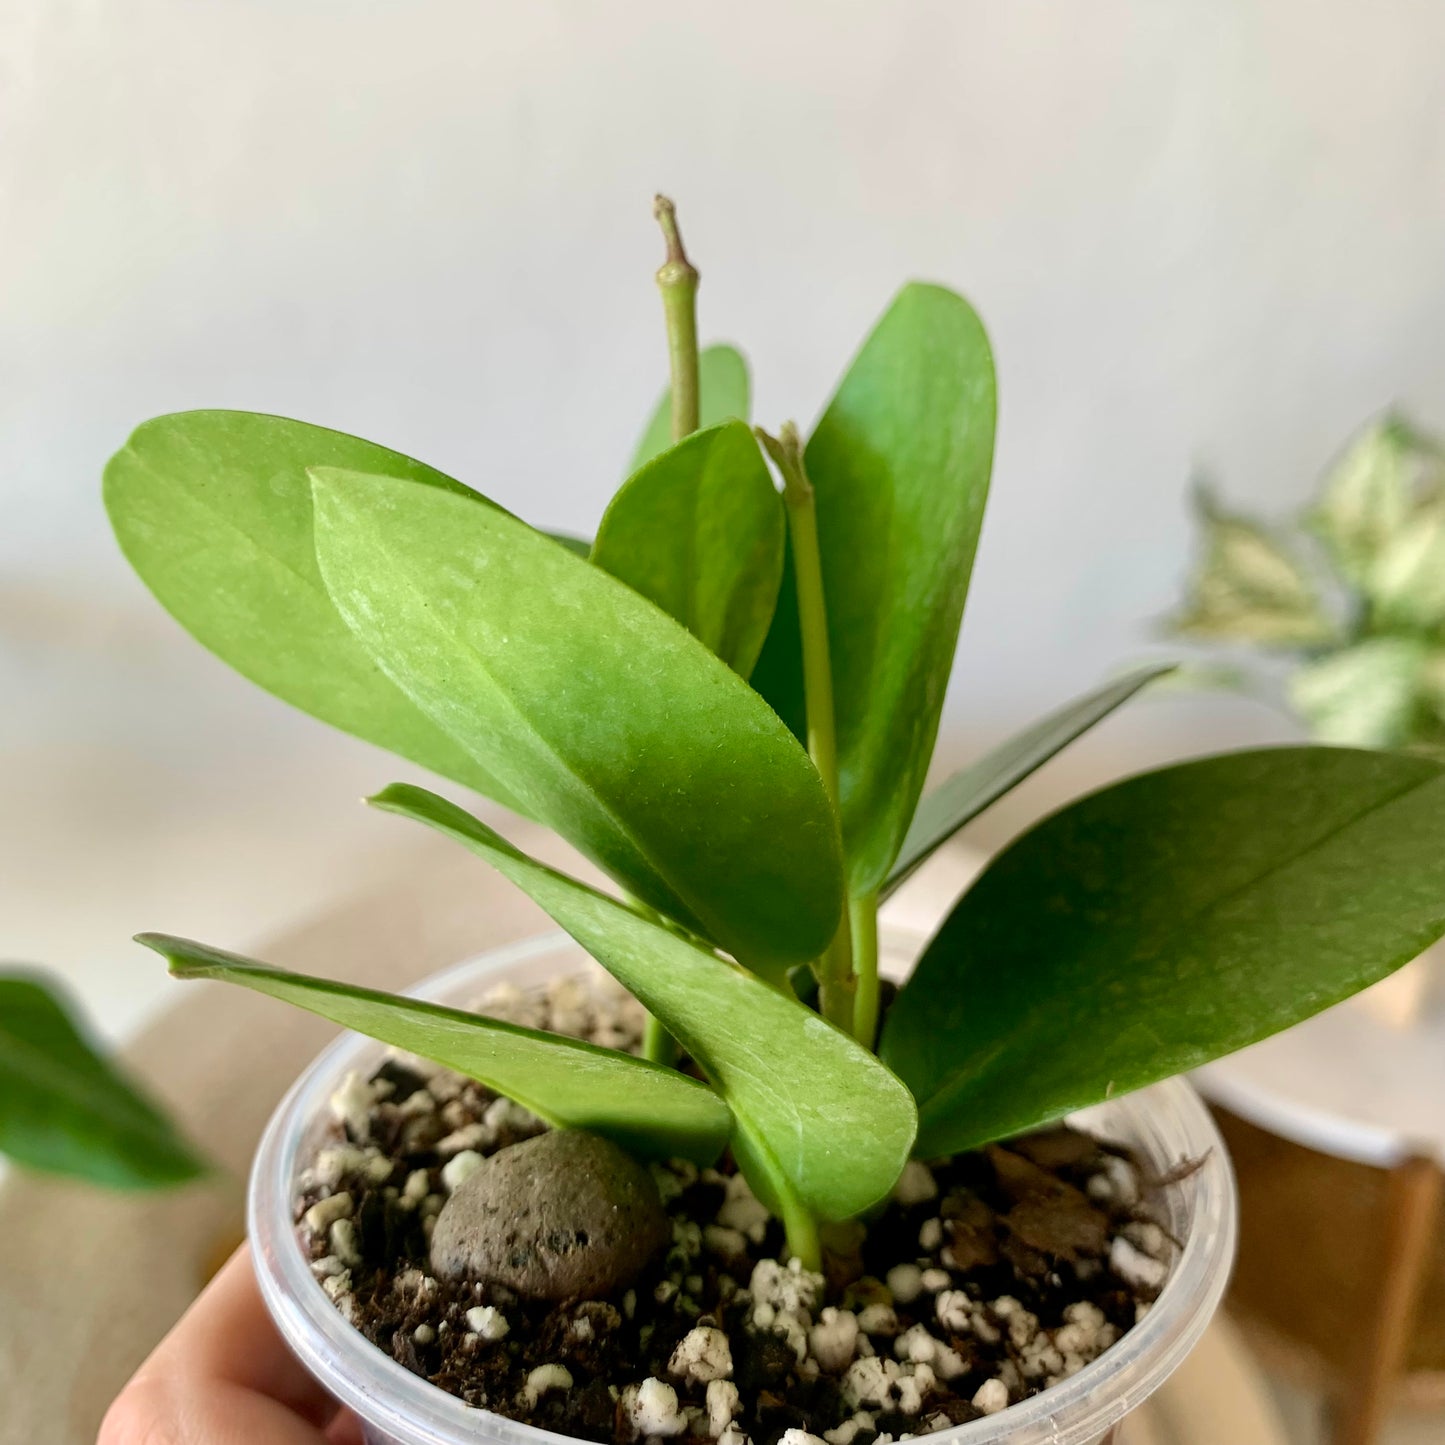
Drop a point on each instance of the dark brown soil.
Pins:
(988, 1277)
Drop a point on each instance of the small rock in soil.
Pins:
(566, 1215)
(988, 1277)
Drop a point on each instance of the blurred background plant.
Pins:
(1348, 595)
(65, 1109)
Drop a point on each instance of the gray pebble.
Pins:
(565, 1215)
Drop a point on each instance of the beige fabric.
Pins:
(89, 1281)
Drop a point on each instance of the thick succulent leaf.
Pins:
(1365, 499)
(969, 791)
(900, 465)
(1365, 696)
(653, 1111)
(64, 1109)
(603, 715)
(213, 510)
(1407, 581)
(580, 545)
(723, 392)
(1163, 922)
(699, 531)
(818, 1120)
(1247, 588)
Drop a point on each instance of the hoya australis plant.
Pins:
(729, 702)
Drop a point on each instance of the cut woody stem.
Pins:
(677, 280)
(836, 985)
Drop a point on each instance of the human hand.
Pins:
(223, 1376)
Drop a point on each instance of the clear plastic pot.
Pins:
(1165, 1123)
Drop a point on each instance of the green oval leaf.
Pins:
(605, 717)
(900, 466)
(699, 531)
(818, 1119)
(723, 392)
(1163, 922)
(962, 797)
(65, 1109)
(213, 510)
(653, 1111)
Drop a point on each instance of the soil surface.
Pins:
(987, 1278)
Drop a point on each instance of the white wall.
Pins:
(1201, 233)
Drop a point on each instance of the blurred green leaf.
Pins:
(65, 1109)
(1163, 922)
(595, 708)
(900, 466)
(1432, 682)
(213, 510)
(651, 1110)
(818, 1120)
(1363, 696)
(1407, 581)
(1365, 499)
(724, 393)
(699, 530)
(969, 791)
(1248, 588)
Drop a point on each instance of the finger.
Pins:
(176, 1410)
(227, 1339)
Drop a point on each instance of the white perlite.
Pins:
(741, 1210)
(991, 1397)
(930, 1234)
(334, 1164)
(352, 1102)
(1133, 1266)
(834, 1339)
(916, 1184)
(870, 1381)
(799, 1437)
(722, 1405)
(878, 1319)
(459, 1168)
(488, 1322)
(703, 1354)
(913, 1386)
(544, 1378)
(905, 1283)
(417, 1187)
(344, 1243)
(651, 1408)
(325, 1212)
(959, 1314)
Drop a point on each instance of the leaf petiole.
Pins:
(836, 984)
(863, 917)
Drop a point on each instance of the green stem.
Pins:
(863, 917)
(836, 984)
(677, 280)
(657, 1044)
(802, 1232)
